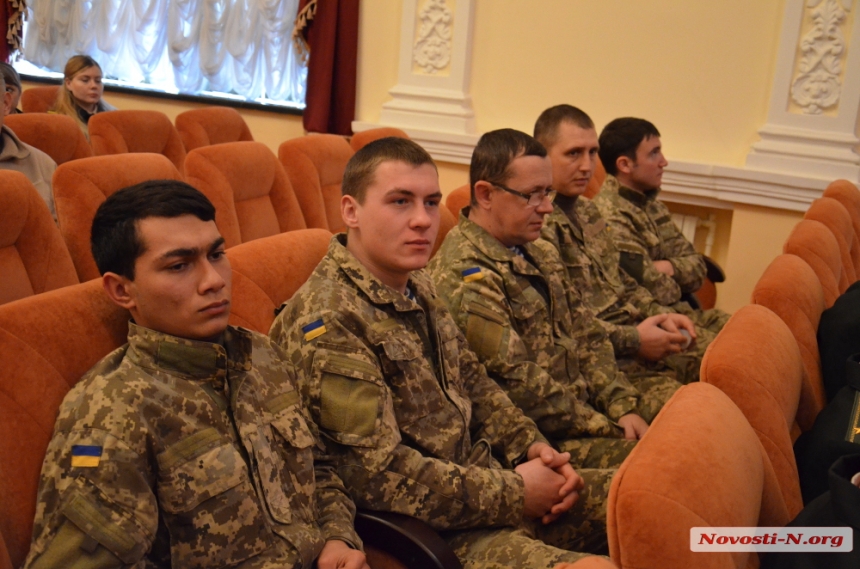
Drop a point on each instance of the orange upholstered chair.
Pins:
(58, 136)
(848, 195)
(361, 139)
(39, 99)
(447, 221)
(211, 125)
(267, 272)
(458, 199)
(596, 181)
(700, 464)
(47, 342)
(814, 243)
(122, 132)
(755, 360)
(246, 183)
(837, 219)
(33, 257)
(790, 289)
(80, 187)
(315, 165)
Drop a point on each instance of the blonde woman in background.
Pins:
(80, 95)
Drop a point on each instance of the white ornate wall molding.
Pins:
(431, 100)
(722, 187)
(815, 98)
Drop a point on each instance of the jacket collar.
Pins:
(366, 282)
(492, 248)
(639, 199)
(192, 359)
(13, 148)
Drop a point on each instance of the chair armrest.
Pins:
(715, 272)
(409, 540)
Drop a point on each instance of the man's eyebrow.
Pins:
(192, 251)
(410, 193)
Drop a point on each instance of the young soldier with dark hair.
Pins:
(414, 422)
(653, 250)
(507, 292)
(189, 445)
(588, 248)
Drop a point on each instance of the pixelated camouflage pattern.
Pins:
(415, 423)
(208, 460)
(644, 232)
(420, 429)
(550, 355)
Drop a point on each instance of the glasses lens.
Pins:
(536, 198)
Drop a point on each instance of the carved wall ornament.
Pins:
(432, 50)
(816, 85)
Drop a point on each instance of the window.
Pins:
(237, 50)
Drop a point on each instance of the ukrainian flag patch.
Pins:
(314, 330)
(86, 456)
(472, 274)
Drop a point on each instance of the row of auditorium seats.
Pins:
(255, 194)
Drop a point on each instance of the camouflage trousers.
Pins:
(597, 452)
(655, 382)
(576, 534)
(686, 364)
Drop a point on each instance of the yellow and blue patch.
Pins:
(314, 330)
(472, 274)
(86, 456)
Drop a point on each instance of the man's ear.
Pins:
(483, 194)
(349, 211)
(119, 290)
(7, 103)
(624, 164)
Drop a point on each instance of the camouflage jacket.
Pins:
(546, 351)
(173, 452)
(584, 241)
(644, 232)
(416, 424)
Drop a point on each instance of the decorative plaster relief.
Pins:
(817, 82)
(432, 50)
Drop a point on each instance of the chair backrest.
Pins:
(39, 99)
(47, 342)
(700, 464)
(130, 131)
(211, 125)
(596, 181)
(58, 136)
(361, 139)
(814, 243)
(267, 272)
(33, 257)
(458, 199)
(847, 194)
(252, 195)
(837, 219)
(447, 221)
(755, 360)
(790, 289)
(80, 187)
(315, 164)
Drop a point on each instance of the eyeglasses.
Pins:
(533, 199)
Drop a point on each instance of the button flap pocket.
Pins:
(205, 473)
(527, 304)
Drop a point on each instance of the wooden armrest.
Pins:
(412, 542)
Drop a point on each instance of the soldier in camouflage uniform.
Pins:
(188, 446)
(580, 233)
(653, 250)
(413, 420)
(534, 335)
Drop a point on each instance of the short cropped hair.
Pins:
(361, 168)
(494, 153)
(114, 240)
(546, 126)
(10, 75)
(622, 137)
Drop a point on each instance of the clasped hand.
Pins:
(552, 486)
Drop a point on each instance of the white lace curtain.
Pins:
(190, 46)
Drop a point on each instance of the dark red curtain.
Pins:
(330, 29)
